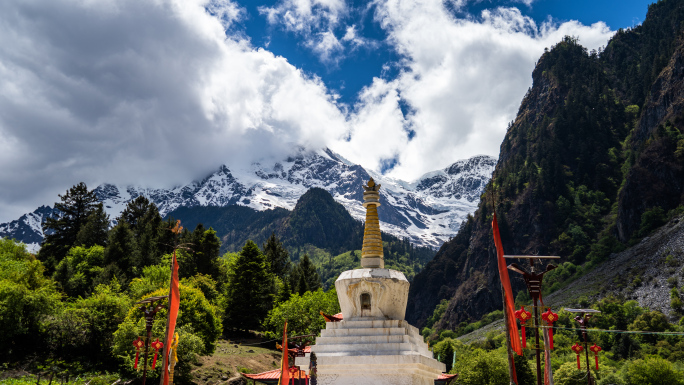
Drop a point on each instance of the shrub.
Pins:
(85, 328)
(653, 371)
(26, 298)
(302, 313)
(481, 368)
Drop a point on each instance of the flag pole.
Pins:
(165, 356)
(511, 364)
(163, 379)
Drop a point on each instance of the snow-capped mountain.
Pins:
(428, 211)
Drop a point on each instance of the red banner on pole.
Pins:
(174, 302)
(509, 303)
(285, 365)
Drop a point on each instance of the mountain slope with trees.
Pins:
(318, 226)
(591, 164)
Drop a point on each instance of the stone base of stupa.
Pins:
(379, 352)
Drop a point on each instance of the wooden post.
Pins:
(508, 340)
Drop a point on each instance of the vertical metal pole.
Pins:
(535, 298)
(586, 351)
(149, 319)
(536, 337)
(508, 339)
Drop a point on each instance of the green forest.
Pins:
(71, 309)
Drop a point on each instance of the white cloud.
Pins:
(155, 93)
(315, 21)
(306, 16)
(147, 92)
(463, 79)
(225, 10)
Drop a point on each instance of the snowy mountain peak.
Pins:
(428, 211)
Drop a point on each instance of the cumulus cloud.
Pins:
(145, 92)
(156, 93)
(463, 79)
(319, 23)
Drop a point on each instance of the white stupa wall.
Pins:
(373, 344)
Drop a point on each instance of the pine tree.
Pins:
(142, 217)
(304, 277)
(95, 230)
(277, 257)
(120, 252)
(207, 254)
(62, 230)
(249, 296)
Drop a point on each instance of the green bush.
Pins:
(302, 313)
(84, 329)
(27, 297)
(653, 371)
(568, 374)
(652, 219)
(154, 277)
(480, 367)
(76, 273)
(195, 315)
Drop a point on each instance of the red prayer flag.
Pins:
(284, 365)
(509, 303)
(174, 302)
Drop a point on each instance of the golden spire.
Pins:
(371, 253)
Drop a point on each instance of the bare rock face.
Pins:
(610, 124)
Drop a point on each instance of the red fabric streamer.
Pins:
(174, 302)
(284, 365)
(509, 302)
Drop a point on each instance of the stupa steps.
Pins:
(351, 340)
(375, 339)
(359, 332)
(373, 323)
(383, 353)
(394, 347)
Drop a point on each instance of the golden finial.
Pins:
(371, 252)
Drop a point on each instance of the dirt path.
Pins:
(230, 358)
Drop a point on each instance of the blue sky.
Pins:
(158, 93)
(357, 69)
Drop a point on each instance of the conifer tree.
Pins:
(134, 212)
(142, 217)
(120, 251)
(62, 229)
(249, 296)
(277, 257)
(207, 254)
(95, 230)
(304, 276)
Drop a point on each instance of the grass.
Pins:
(94, 379)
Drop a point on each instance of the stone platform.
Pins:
(382, 352)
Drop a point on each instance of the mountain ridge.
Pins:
(427, 211)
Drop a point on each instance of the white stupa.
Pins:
(372, 344)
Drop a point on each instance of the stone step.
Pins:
(356, 349)
(381, 353)
(367, 324)
(354, 340)
(362, 332)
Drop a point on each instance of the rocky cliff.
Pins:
(592, 163)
